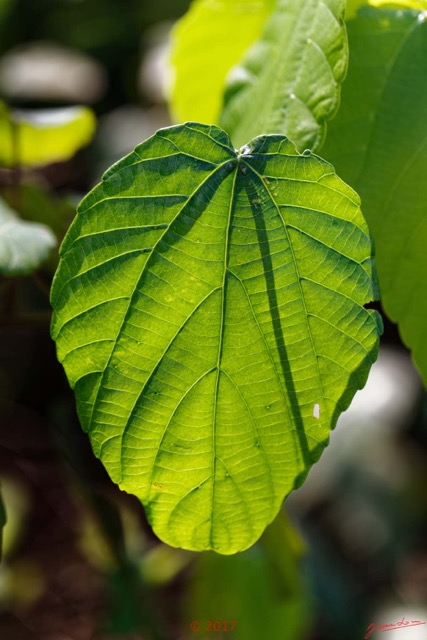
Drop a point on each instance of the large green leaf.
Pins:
(23, 245)
(32, 138)
(208, 311)
(210, 39)
(378, 143)
(289, 82)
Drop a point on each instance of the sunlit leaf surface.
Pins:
(206, 43)
(289, 81)
(208, 311)
(378, 143)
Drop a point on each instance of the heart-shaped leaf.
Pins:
(378, 143)
(208, 311)
(289, 81)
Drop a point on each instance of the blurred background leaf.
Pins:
(4, 7)
(32, 138)
(261, 589)
(207, 42)
(23, 245)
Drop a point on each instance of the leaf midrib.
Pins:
(298, 278)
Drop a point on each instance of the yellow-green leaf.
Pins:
(206, 43)
(31, 138)
(209, 313)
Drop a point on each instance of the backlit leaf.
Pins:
(289, 81)
(378, 143)
(208, 311)
(210, 39)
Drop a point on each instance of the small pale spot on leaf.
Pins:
(316, 411)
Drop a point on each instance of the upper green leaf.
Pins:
(378, 142)
(23, 245)
(208, 311)
(32, 138)
(209, 40)
(289, 82)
